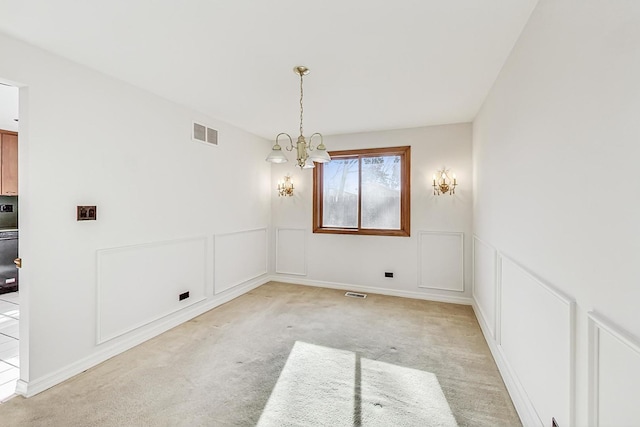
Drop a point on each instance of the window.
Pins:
(363, 192)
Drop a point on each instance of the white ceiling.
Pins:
(375, 64)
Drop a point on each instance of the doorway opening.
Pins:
(9, 281)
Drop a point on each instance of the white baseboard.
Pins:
(137, 337)
(21, 388)
(374, 290)
(523, 405)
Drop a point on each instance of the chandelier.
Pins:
(306, 153)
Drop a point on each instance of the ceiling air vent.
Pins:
(204, 134)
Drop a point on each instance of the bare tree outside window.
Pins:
(381, 191)
(363, 192)
(340, 195)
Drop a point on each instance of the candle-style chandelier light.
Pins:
(306, 153)
(285, 187)
(443, 183)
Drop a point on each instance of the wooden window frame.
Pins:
(405, 193)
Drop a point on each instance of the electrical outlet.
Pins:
(554, 423)
(184, 296)
(87, 213)
(388, 274)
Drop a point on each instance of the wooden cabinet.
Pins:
(8, 163)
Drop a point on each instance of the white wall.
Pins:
(359, 262)
(88, 139)
(555, 152)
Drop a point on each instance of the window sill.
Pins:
(362, 231)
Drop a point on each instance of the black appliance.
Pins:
(8, 269)
(8, 212)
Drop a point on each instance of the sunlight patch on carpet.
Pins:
(321, 386)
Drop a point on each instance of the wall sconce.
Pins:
(443, 184)
(285, 187)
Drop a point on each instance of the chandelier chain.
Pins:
(301, 105)
(306, 154)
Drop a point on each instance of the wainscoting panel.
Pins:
(291, 251)
(137, 285)
(239, 257)
(441, 260)
(484, 282)
(614, 374)
(538, 341)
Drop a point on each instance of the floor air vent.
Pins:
(355, 295)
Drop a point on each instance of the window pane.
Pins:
(381, 188)
(340, 207)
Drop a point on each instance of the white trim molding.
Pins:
(242, 280)
(100, 336)
(570, 303)
(460, 285)
(496, 303)
(498, 330)
(304, 250)
(519, 395)
(598, 324)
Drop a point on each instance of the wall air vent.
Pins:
(355, 295)
(202, 133)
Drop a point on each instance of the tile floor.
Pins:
(9, 336)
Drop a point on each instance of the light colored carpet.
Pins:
(321, 386)
(221, 368)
